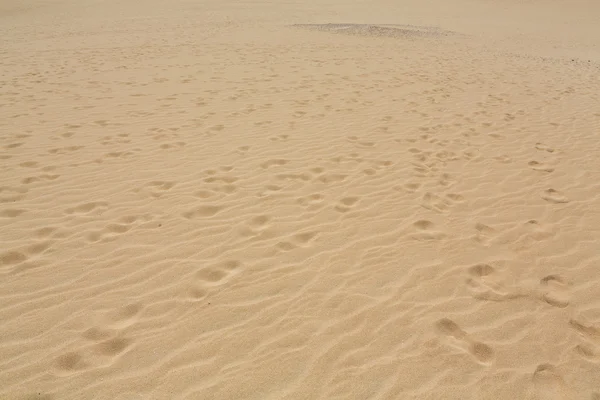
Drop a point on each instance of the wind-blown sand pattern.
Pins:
(214, 200)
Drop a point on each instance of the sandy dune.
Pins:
(300, 200)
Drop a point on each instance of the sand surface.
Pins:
(299, 200)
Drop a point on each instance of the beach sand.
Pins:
(299, 200)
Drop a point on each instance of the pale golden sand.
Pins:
(205, 200)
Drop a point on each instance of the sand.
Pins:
(299, 200)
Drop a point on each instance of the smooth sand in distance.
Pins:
(235, 200)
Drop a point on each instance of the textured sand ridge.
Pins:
(310, 200)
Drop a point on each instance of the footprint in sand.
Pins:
(243, 150)
(446, 180)
(548, 383)
(283, 138)
(196, 293)
(423, 171)
(481, 283)
(555, 291)
(124, 316)
(410, 187)
(552, 289)
(70, 363)
(543, 147)
(103, 348)
(347, 203)
(537, 231)
(256, 226)
(156, 188)
(11, 194)
(435, 203)
(331, 178)
(587, 330)
(87, 208)
(113, 230)
(363, 143)
(504, 159)
(484, 233)
(588, 351)
(270, 190)
(209, 278)
(273, 163)
(11, 213)
(483, 353)
(217, 274)
(312, 202)
(112, 347)
(591, 336)
(538, 166)
(302, 239)
(554, 196)
(426, 230)
(203, 211)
